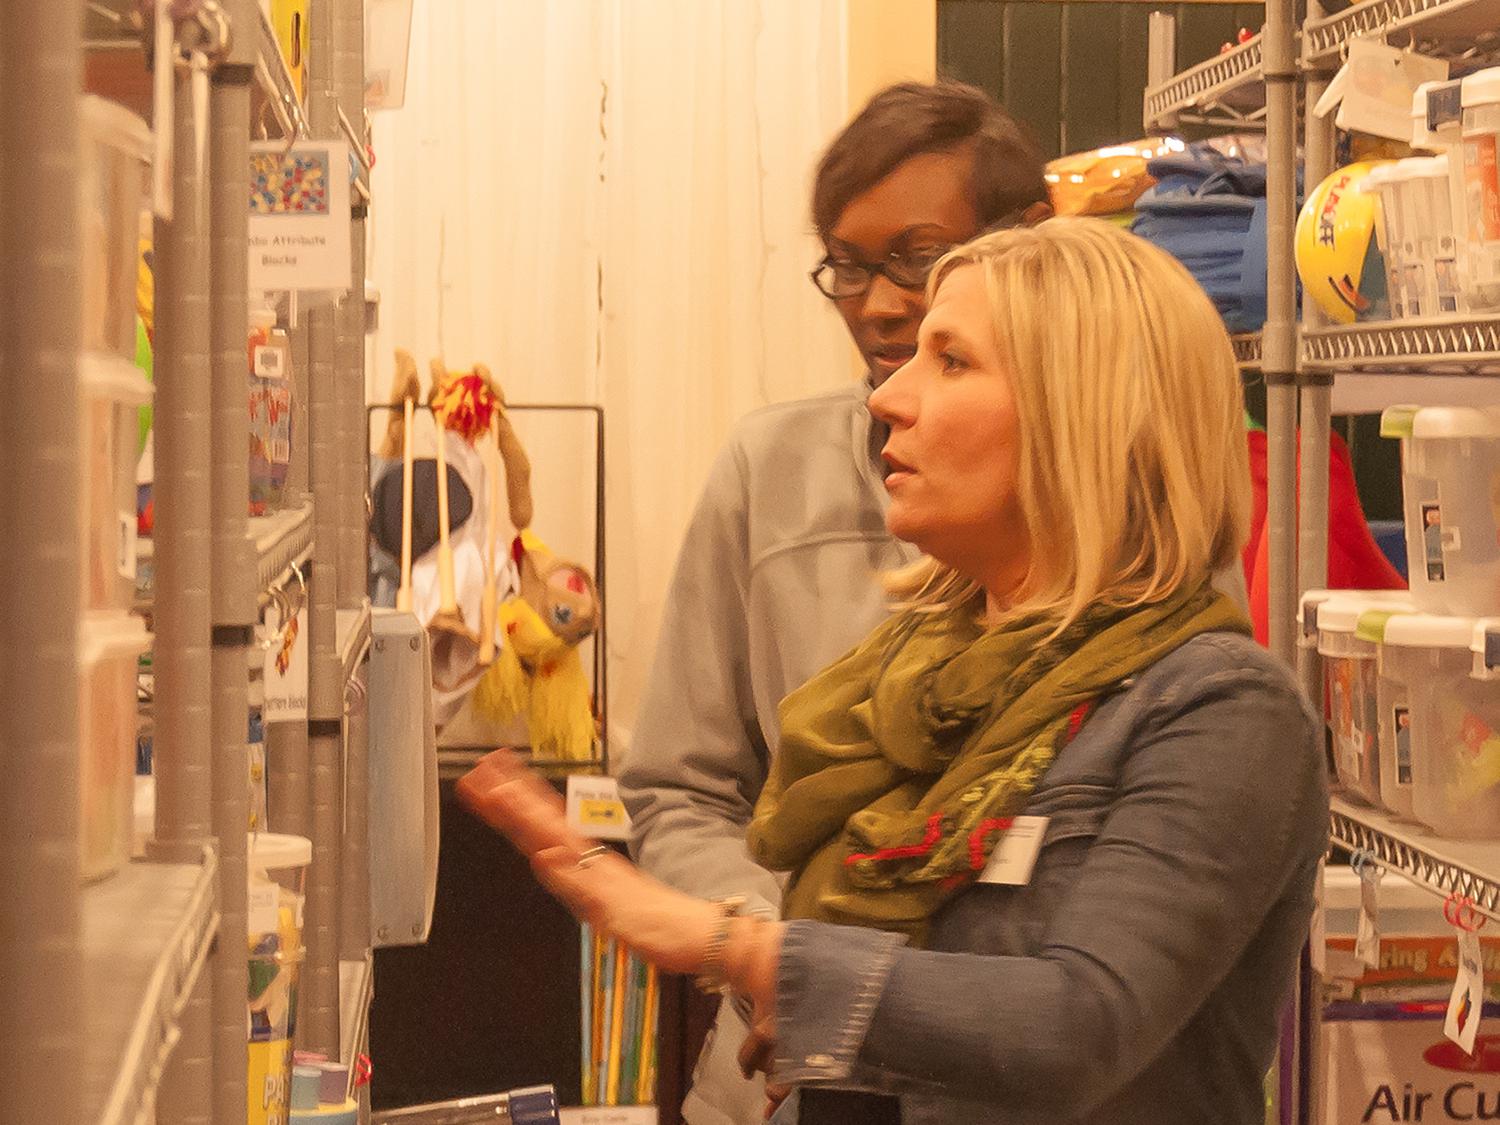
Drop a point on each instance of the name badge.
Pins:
(1015, 855)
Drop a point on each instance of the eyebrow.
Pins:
(938, 338)
(900, 236)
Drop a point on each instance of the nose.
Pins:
(885, 300)
(894, 402)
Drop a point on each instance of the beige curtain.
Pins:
(607, 202)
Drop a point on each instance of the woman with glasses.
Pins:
(776, 573)
(1052, 830)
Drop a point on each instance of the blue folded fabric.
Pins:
(1209, 213)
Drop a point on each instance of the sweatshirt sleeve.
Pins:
(698, 758)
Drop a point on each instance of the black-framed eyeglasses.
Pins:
(839, 278)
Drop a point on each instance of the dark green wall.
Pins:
(1074, 71)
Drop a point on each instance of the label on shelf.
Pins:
(299, 217)
(1367, 940)
(1467, 1001)
(595, 810)
(609, 1115)
(286, 673)
(125, 560)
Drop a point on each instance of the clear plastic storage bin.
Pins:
(1450, 483)
(1415, 649)
(1383, 182)
(113, 174)
(1480, 179)
(1351, 693)
(1455, 725)
(109, 648)
(112, 389)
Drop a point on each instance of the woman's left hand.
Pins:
(667, 927)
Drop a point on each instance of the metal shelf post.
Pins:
(41, 992)
(353, 565)
(234, 573)
(182, 745)
(1315, 387)
(1279, 338)
(318, 1020)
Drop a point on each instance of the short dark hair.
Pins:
(914, 118)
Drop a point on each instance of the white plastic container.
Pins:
(1415, 649)
(1434, 287)
(1455, 729)
(1382, 182)
(1481, 184)
(277, 885)
(109, 647)
(1350, 681)
(112, 390)
(1450, 482)
(113, 176)
(1437, 115)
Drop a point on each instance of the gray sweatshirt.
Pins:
(778, 577)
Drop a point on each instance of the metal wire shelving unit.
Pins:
(1228, 91)
(1303, 360)
(125, 998)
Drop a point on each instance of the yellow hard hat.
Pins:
(1338, 258)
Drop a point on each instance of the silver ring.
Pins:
(592, 854)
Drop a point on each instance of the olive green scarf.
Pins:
(896, 762)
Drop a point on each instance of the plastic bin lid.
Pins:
(1343, 609)
(1307, 609)
(1440, 422)
(114, 377)
(1417, 630)
(111, 123)
(1482, 87)
(1485, 644)
(109, 635)
(1426, 167)
(270, 851)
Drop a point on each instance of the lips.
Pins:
(892, 356)
(896, 469)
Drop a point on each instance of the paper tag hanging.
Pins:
(1374, 88)
(1367, 937)
(299, 217)
(286, 674)
(1467, 1001)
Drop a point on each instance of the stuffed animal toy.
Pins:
(538, 675)
(530, 608)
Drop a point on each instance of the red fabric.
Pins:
(1355, 560)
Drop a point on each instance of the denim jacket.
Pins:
(1140, 975)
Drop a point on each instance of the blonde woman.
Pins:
(1052, 830)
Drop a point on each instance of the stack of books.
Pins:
(620, 995)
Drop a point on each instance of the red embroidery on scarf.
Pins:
(1075, 720)
(977, 838)
(977, 856)
(980, 834)
(929, 841)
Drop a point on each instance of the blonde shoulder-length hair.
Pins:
(1133, 472)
